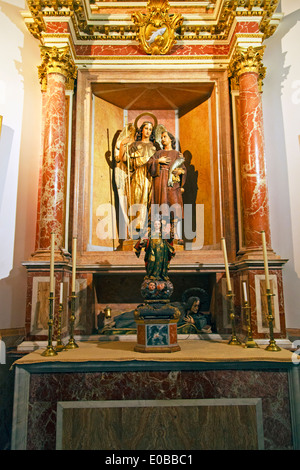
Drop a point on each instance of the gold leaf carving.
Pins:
(56, 60)
(247, 60)
(156, 29)
(87, 27)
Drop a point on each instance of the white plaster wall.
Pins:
(281, 107)
(20, 106)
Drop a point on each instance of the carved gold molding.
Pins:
(89, 27)
(247, 60)
(57, 60)
(156, 29)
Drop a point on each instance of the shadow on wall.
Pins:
(19, 157)
(277, 158)
(6, 140)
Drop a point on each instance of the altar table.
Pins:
(104, 395)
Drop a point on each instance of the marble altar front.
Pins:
(231, 397)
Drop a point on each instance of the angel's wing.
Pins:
(160, 128)
(128, 131)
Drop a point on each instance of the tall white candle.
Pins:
(226, 263)
(52, 264)
(264, 245)
(61, 293)
(245, 291)
(74, 263)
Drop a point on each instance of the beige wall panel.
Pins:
(108, 120)
(197, 138)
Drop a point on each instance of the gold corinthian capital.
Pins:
(247, 60)
(56, 60)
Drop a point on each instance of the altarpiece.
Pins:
(193, 70)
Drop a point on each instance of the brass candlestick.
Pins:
(107, 312)
(59, 345)
(250, 343)
(72, 344)
(234, 340)
(50, 351)
(272, 346)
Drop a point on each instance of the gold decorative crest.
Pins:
(156, 29)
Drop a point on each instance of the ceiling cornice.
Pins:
(101, 21)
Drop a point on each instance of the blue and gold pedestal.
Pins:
(157, 335)
(156, 319)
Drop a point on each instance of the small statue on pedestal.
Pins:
(158, 252)
(156, 319)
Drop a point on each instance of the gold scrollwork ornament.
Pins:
(156, 29)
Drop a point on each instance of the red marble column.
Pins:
(56, 68)
(53, 174)
(254, 189)
(247, 69)
(247, 72)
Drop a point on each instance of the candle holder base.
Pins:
(272, 346)
(234, 341)
(60, 347)
(49, 352)
(71, 344)
(251, 344)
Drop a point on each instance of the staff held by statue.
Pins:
(128, 168)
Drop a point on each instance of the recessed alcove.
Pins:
(121, 292)
(180, 97)
(189, 111)
(195, 106)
